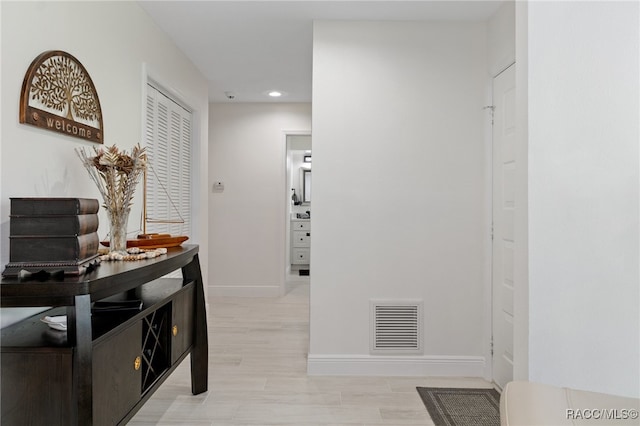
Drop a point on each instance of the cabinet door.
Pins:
(117, 375)
(36, 387)
(301, 238)
(300, 256)
(182, 322)
(301, 225)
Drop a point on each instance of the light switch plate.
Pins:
(218, 186)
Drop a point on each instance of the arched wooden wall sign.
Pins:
(58, 95)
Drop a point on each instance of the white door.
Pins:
(504, 167)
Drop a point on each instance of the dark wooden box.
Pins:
(67, 225)
(52, 248)
(39, 206)
(52, 235)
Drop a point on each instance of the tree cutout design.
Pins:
(58, 95)
(59, 84)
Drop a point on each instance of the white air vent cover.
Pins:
(396, 327)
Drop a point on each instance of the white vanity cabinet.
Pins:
(300, 241)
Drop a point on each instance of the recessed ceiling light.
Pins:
(275, 94)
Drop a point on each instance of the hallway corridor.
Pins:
(257, 376)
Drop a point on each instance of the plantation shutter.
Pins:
(168, 142)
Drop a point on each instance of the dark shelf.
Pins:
(108, 363)
(106, 280)
(33, 333)
(155, 346)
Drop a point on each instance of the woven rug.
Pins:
(462, 407)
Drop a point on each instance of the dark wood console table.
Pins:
(106, 365)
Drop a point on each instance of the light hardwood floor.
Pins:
(257, 376)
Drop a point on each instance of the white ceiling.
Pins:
(252, 47)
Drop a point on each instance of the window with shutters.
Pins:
(168, 180)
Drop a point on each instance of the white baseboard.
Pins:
(245, 291)
(372, 365)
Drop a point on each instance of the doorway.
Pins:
(504, 168)
(298, 209)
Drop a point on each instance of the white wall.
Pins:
(521, 224)
(399, 191)
(114, 41)
(247, 220)
(583, 133)
(501, 38)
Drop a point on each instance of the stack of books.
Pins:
(52, 235)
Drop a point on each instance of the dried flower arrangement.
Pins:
(116, 174)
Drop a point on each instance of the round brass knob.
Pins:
(137, 363)
(174, 330)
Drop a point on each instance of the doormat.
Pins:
(462, 407)
(303, 272)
